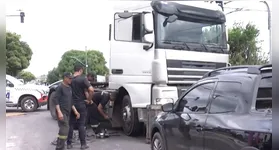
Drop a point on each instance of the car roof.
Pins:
(237, 73)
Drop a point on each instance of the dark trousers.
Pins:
(63, 127)
(79, 123)
(95, 118)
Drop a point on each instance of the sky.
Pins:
(54, 27)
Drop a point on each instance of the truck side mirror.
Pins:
(148, 38)
(148, 22)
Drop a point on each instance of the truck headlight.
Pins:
(163, 101)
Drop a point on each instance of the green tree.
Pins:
(53, 76)
(244, 45)
(26, 76)
(18, 54)
(95, 60)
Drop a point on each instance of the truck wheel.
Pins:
(29, 104)
(157, 142)
(131, 125)
(52, 109)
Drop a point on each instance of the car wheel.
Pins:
(131, 125)
(157, 142)
(52, 109)
(29, 104)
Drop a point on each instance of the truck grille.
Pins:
(189, 72)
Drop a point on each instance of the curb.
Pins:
(14, 114)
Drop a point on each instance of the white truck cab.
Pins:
(28, 97)
(160, 50)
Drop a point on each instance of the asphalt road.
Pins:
(35, 131)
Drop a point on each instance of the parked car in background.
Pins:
(52, 87)
(28, 97)
(229, 109)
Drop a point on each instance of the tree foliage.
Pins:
(95, 61)
(18, 54)
(53, 76)
(26, 76)
(244, 46)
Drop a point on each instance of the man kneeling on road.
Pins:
(63, 104)
(95, 111)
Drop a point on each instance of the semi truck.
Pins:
(157, 52)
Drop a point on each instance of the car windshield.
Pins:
(186, 31)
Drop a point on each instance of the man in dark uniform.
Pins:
(63, 104)
(95, 111)
(79, 83)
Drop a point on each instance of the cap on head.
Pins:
(67, 75)
(78, 67)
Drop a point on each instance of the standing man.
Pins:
(63, 105)
(79, 83)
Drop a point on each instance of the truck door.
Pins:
(128, 57)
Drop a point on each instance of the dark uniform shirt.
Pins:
(100, 98)
(63, 98)
(79, 83)
(94, 116)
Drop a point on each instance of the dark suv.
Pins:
(228, 109)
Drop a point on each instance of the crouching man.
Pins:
(63, 104)
(96, 112)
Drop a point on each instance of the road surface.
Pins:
(35, 131)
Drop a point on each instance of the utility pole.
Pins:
(269, 29)
(86, 65)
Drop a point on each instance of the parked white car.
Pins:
(28, 97)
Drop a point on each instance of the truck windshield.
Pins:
(209, 34)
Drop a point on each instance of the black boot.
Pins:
(60, 144)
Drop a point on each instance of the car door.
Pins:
(184, 129)
(127, 55)
(223, 130)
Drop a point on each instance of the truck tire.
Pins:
(28, 104)
(52, 109)
(131, 125)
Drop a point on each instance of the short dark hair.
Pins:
(78, 67)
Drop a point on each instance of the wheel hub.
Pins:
(126, 114)
(29, 104)
(157, 145)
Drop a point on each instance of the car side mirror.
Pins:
(167, 107)
(186, 116)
